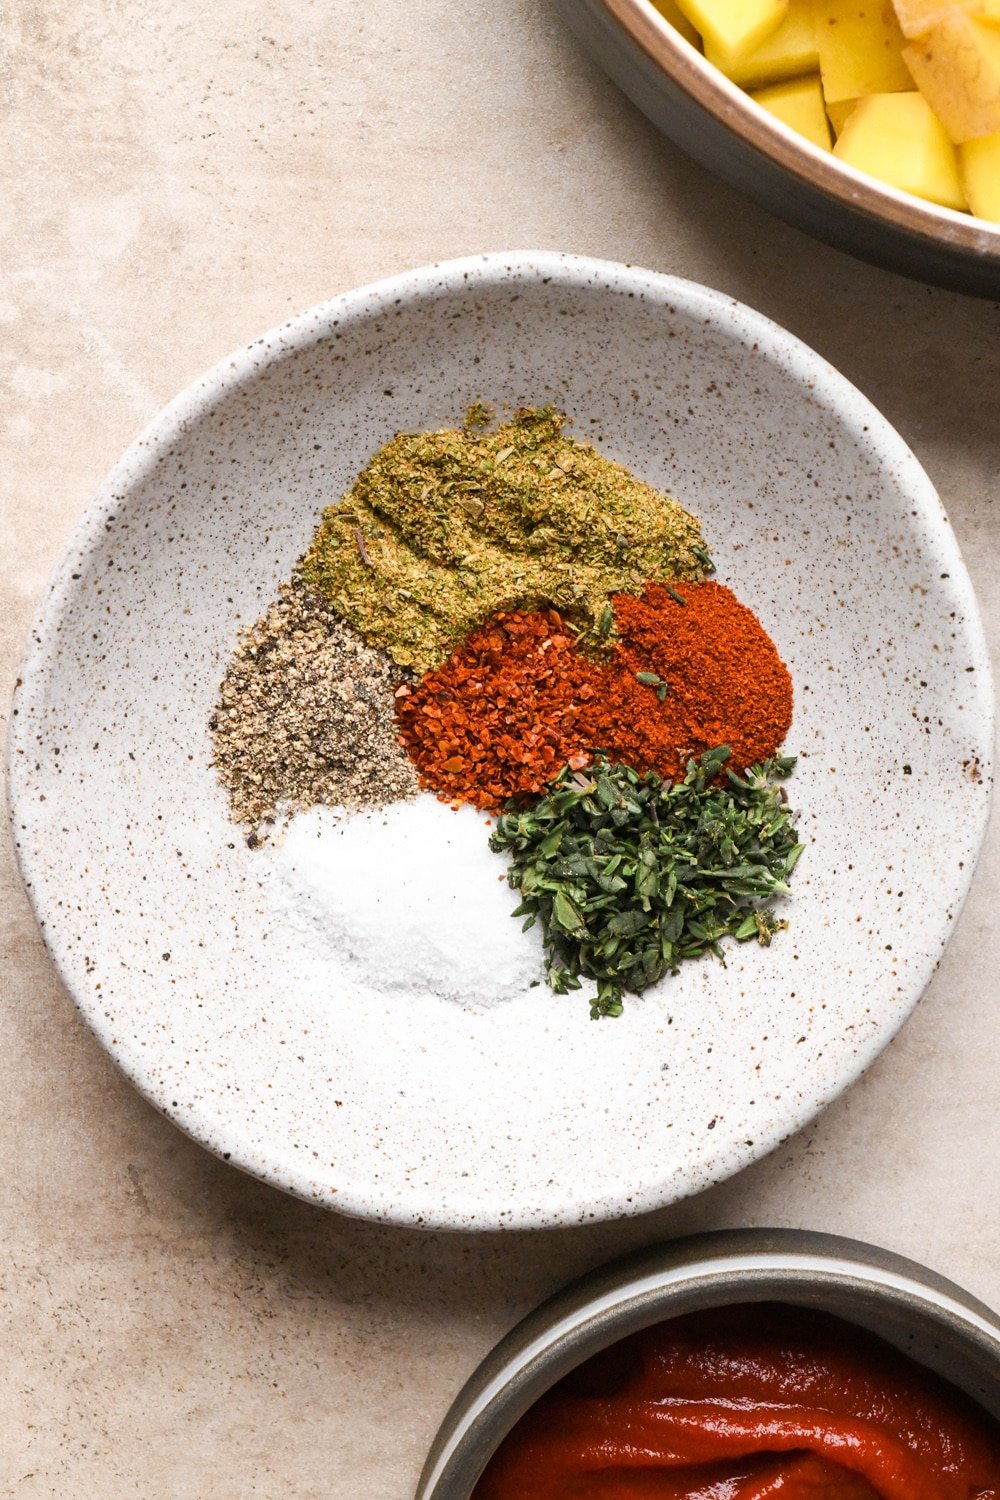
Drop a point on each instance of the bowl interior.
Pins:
(159, 915)
(676, 56)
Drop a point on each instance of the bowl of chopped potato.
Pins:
(872, 124)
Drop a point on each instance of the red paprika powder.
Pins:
(726, 683)
(749, 1403)
(518, 700)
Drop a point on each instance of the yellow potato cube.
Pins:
(787, 53)
(671, 11)
(980, 164)
(860, 48)
(840, 113)
(732, 28)
(956, 67)
(897, 138)
(799, 103)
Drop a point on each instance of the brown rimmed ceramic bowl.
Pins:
(927, 1317)
(720, 126)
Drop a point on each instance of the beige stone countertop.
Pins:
(178, 178)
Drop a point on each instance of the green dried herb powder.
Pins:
(443, 529)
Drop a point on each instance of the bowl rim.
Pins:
(713, 1268)
(926, 223)
(225, 1136)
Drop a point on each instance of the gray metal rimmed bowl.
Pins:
(927, 1317)
(714, 121)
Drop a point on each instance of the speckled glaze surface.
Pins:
(929, 1318)
(528, 1115)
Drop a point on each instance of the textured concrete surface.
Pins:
(175, 180)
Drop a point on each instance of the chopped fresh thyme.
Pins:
(631, 875)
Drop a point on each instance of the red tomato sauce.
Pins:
(749, 1403)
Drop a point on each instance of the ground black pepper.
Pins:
(306, 715)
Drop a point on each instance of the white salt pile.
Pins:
(411, 897)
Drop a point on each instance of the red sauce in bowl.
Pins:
(749, 1403)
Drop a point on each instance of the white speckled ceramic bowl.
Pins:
(530, 1114)
(930, 1319)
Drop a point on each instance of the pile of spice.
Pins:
(306, 715)
(518, 700)
(409, 899)
(443, 529)
(516, 623)
(630, 875)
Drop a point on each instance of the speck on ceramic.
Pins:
(414, 1110)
